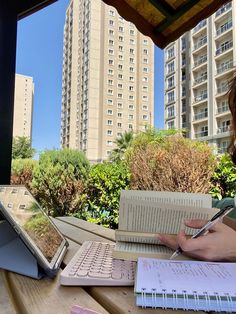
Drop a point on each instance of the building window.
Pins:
(131, 60)
(111, 62)
(145, 70)
(119, 125)
(171, 112)
(111, 22)
(131, 88)
(131, 107)
(120, 48)
(145, 42)
(131, 116)
(120, 86)
(110, 91)
(171, 124)
(131, 41)
(131, 97)
(109, 112)
(145, 61)
(170, 67)
(145, 88)
(120, 95)
(121, 29)
(109, 132)
(120, 76)
(109, 143)
(131, 69)
(121, 57)
(145, 79)
(111, 52)
(131, 32)
(145, 97)
(131, 51)
(110, 101)
(111, 42)
(119, 105)
(121, 38)
(110, 72)
(170, 82)
(171, 52)
(119, 114)
(171, 96)
(145, 107)
(109, 122)
(145, 51)
(111, 13)
(120, 66)
(145, 117)
(110, 82)
(131, 78)
(130, 126)
(111, 32)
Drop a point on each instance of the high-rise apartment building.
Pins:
(198, 69)
(108, 78)
(23, 106)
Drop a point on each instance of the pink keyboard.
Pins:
(93, 265)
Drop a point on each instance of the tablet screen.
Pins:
(26, 213)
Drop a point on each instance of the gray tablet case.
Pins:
(14, 254)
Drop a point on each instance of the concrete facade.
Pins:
(108, 79)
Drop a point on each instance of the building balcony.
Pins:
(184, 125)
(200, 116)
(200, 61)
(222, 89)
(223, 9)
(200, 43)
(225, 67)
(199, 26)
(200, 97)
(225, 47)
(200, 80)
(222, 109)
(170, 101)
(223, 129)
(201, 134)
(222, 150)
(228, 25)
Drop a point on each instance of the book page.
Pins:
(197, 200)
(154, 217)
(167, 275)
(136, 237)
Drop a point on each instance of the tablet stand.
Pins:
(14, 255)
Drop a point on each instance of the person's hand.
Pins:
(219, 244)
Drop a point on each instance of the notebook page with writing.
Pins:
(186, 284)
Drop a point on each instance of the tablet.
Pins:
(34, 227)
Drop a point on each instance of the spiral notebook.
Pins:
(188, 285)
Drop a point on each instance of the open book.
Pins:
(188, 285)
(144, 214)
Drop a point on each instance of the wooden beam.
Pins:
(178, 13)
(163, 7)
(25, 8)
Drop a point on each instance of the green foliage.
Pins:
(223, 182)
(21, 148)
(105, 182)
(22, 171)
(122, 144)
(59, 179)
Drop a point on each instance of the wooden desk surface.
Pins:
(23, 295)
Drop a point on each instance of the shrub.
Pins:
(171, 163)
(223, 182)
(105, 182)
(22, 171)
(59, 180)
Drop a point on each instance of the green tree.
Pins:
(223, 182)
(22, 171)
(105, 182)
(59, 180)
(21, 148)
(122, 143)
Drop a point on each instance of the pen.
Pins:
(204, 229)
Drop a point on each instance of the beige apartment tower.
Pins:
(198, 69)
(23, 106)
(108, 79)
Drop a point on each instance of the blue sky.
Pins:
(39, 54)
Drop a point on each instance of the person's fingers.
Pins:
(168, 240)
(195, 223)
